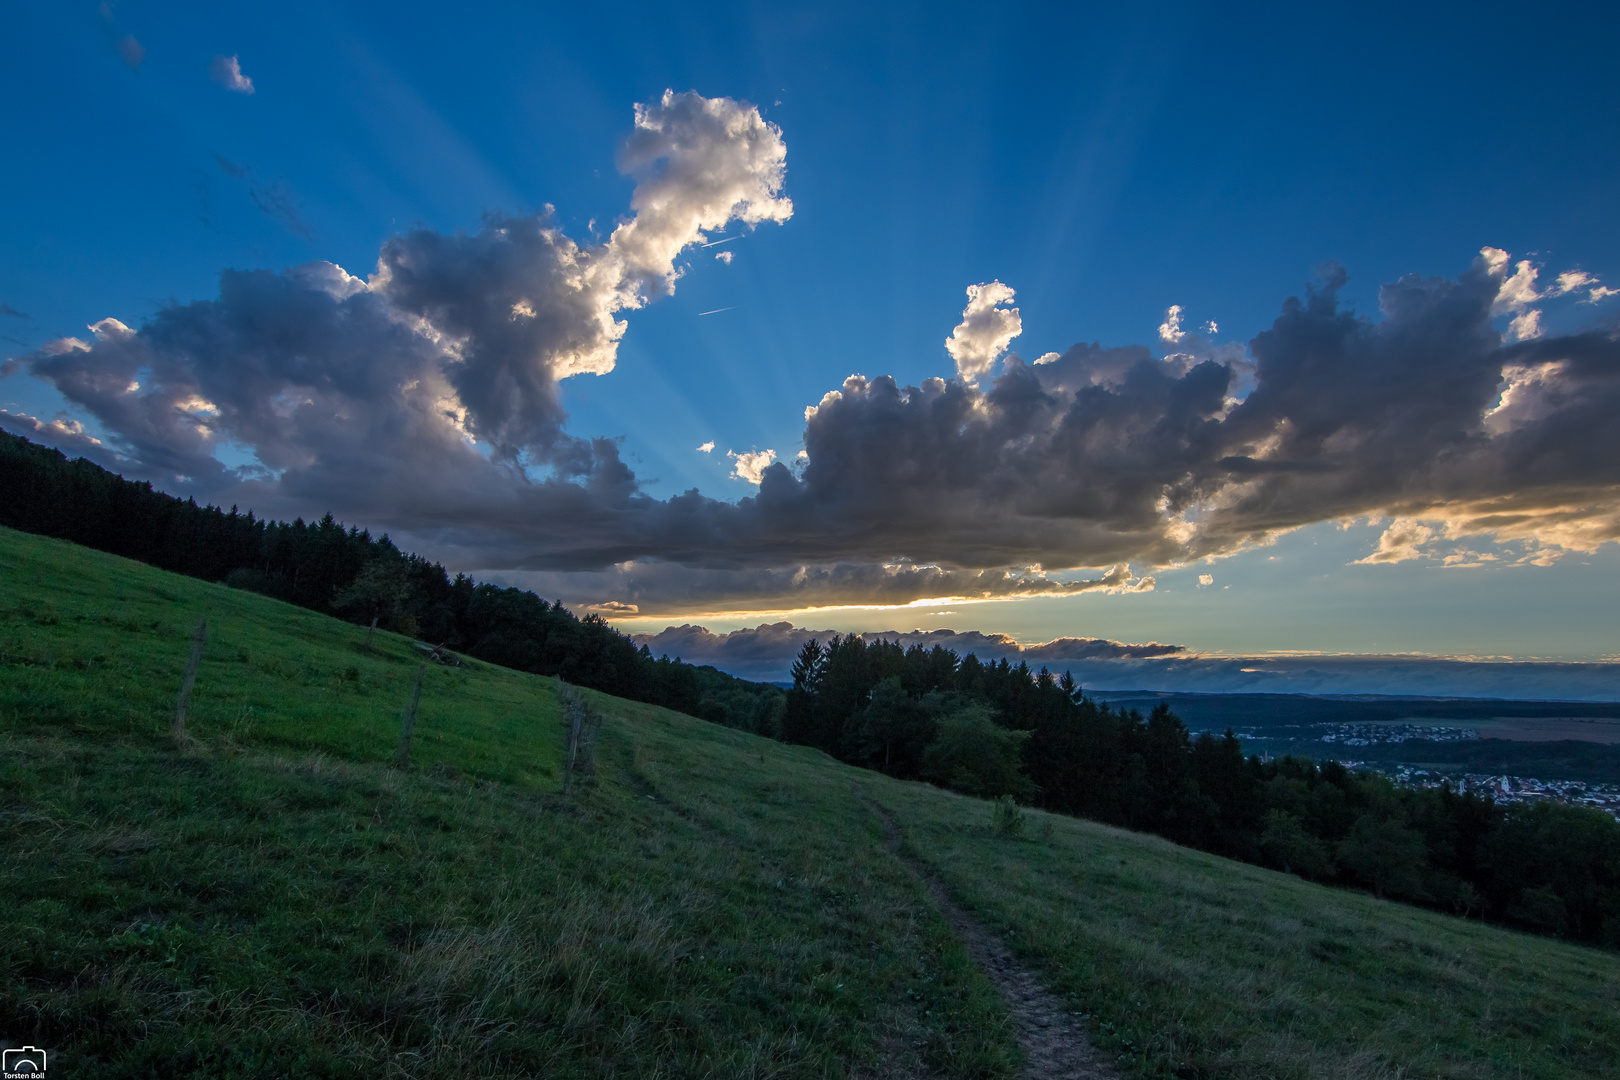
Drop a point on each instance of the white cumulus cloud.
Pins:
(1402, 541)
(1517, 292)
(706, 448)
(1575, 280)
(700, 163)
(986, 329)
(751, 466)
(1170, 331)
(227, 71)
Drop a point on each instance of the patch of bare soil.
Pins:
(1054, 1041)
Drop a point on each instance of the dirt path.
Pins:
(1054, 1041)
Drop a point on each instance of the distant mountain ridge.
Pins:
(765, 652)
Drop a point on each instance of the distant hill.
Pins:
(1281, 724)
(1212, 711)
(766, 652)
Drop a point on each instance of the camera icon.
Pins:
(23, 1061)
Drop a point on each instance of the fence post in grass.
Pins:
(573, 704)
(371, 631)
(184, 701)
(404, 758)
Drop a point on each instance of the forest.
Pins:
(347, 573)
(1002, 730)
(992, 730)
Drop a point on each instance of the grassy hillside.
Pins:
(94, 644)
(275, 899)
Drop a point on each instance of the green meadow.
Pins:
(272, 897)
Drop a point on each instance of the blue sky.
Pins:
(1104, 162)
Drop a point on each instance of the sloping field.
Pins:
(274, 899)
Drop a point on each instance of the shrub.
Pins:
(973, 755)
(1008, 818)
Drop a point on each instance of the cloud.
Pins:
(371, 394)
(986, 329)
(612, 609)
(424, 399)
(1406, 540)
(130, 51)
(1518, 291)
(1575, 280)
(724, 256)
(10, 312)
(274, 199)
(1205, 580)
(751, 466)
(1170, 331)
(767, 651)
(64, 433)
(227, 71)
(669, 589)
(1402, 541)
(706, 448)
(700, 164)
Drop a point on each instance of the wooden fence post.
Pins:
(574, 704)
(371, 631)
(184, 701)
(404, 758)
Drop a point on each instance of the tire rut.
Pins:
(1054, 1041)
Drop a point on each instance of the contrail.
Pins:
(717, 243)
(718, 310)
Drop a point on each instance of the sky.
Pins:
(1244, 333)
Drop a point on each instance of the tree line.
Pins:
(986, 729)
(1000, 729)
(351, 574)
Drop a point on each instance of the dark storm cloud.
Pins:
(658, 588)
(1107, 455)
(307, 368)
(505, 296)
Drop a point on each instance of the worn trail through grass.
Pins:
(1055, 1042)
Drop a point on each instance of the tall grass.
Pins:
(272, 898)
(95, 644)
(1193, 965)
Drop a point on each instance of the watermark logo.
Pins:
(24, 1063)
